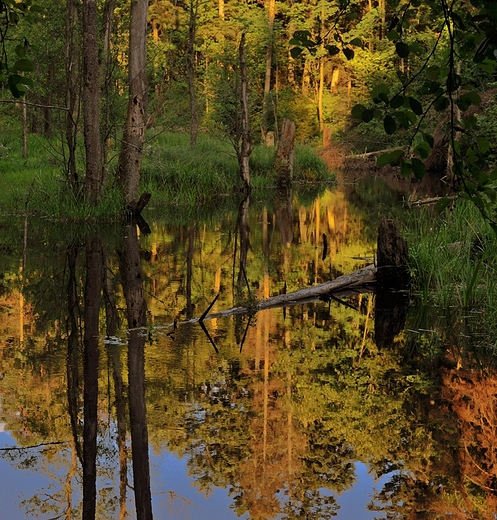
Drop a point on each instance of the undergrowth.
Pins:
(452, 262)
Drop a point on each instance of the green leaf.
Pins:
(423, 150)
(393, 35)
(397, 101)
(23, 65)
(332, 49)
(349, 53)
(406, 169)
(20, 51)
(357, 111)
(415, 105)
(418, 168)
(392, 158)
(302, 35)
(429, 139)
(442, 204)
(389, 125)
(483, 144)
(433, 72)
(295, 52)
(403, 119)
(356, 42)
(367, 115)
(442, 103)
(380, 93)
(470, 122)
(402, 49)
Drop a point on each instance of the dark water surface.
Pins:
(114, 398)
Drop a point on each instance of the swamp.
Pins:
(203, 208)
(369, 405)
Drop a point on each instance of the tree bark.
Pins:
(269, 52)
(190, 66)
(91, 102)
(130, 157)
(246, 140)
(72, 92)
(285, 153)
(392, 255)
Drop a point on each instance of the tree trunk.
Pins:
(72, 92)
(130, 156)
(136, 311)
(285, 153)
(269, 52)
(92, 311)
(190, 66)
(391, 256)
(91, 102)
(106, 78)
(246, 142)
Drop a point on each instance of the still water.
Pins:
(115, 398)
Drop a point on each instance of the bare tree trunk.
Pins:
(190, 66)
(130, 157)
(91, 102)
(246, 144)
(72, 91)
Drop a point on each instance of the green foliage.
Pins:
(451, 260)
(15, 61)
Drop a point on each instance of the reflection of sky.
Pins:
(174, 496)
(172, 477)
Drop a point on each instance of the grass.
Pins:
(178, 174)
(452, 260)
(175, 174)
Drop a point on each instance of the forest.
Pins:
(412, 78)
(104, 367)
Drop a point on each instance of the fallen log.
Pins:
(390, 272)
(356, 282)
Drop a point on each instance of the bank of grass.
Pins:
(453, 264)
(178, 174)
(173, 172)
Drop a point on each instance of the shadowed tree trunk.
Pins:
(130, 156)
(72, 90)
(136, 311)
(91, 102)
(72, 369)
(90, 340)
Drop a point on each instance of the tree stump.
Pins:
(284, 154)
(391, 256)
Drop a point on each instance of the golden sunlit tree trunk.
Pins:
(269, 52)
(245, 148)
(130, 157)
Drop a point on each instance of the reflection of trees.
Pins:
(136, 311)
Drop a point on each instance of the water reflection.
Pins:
(282, 424)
